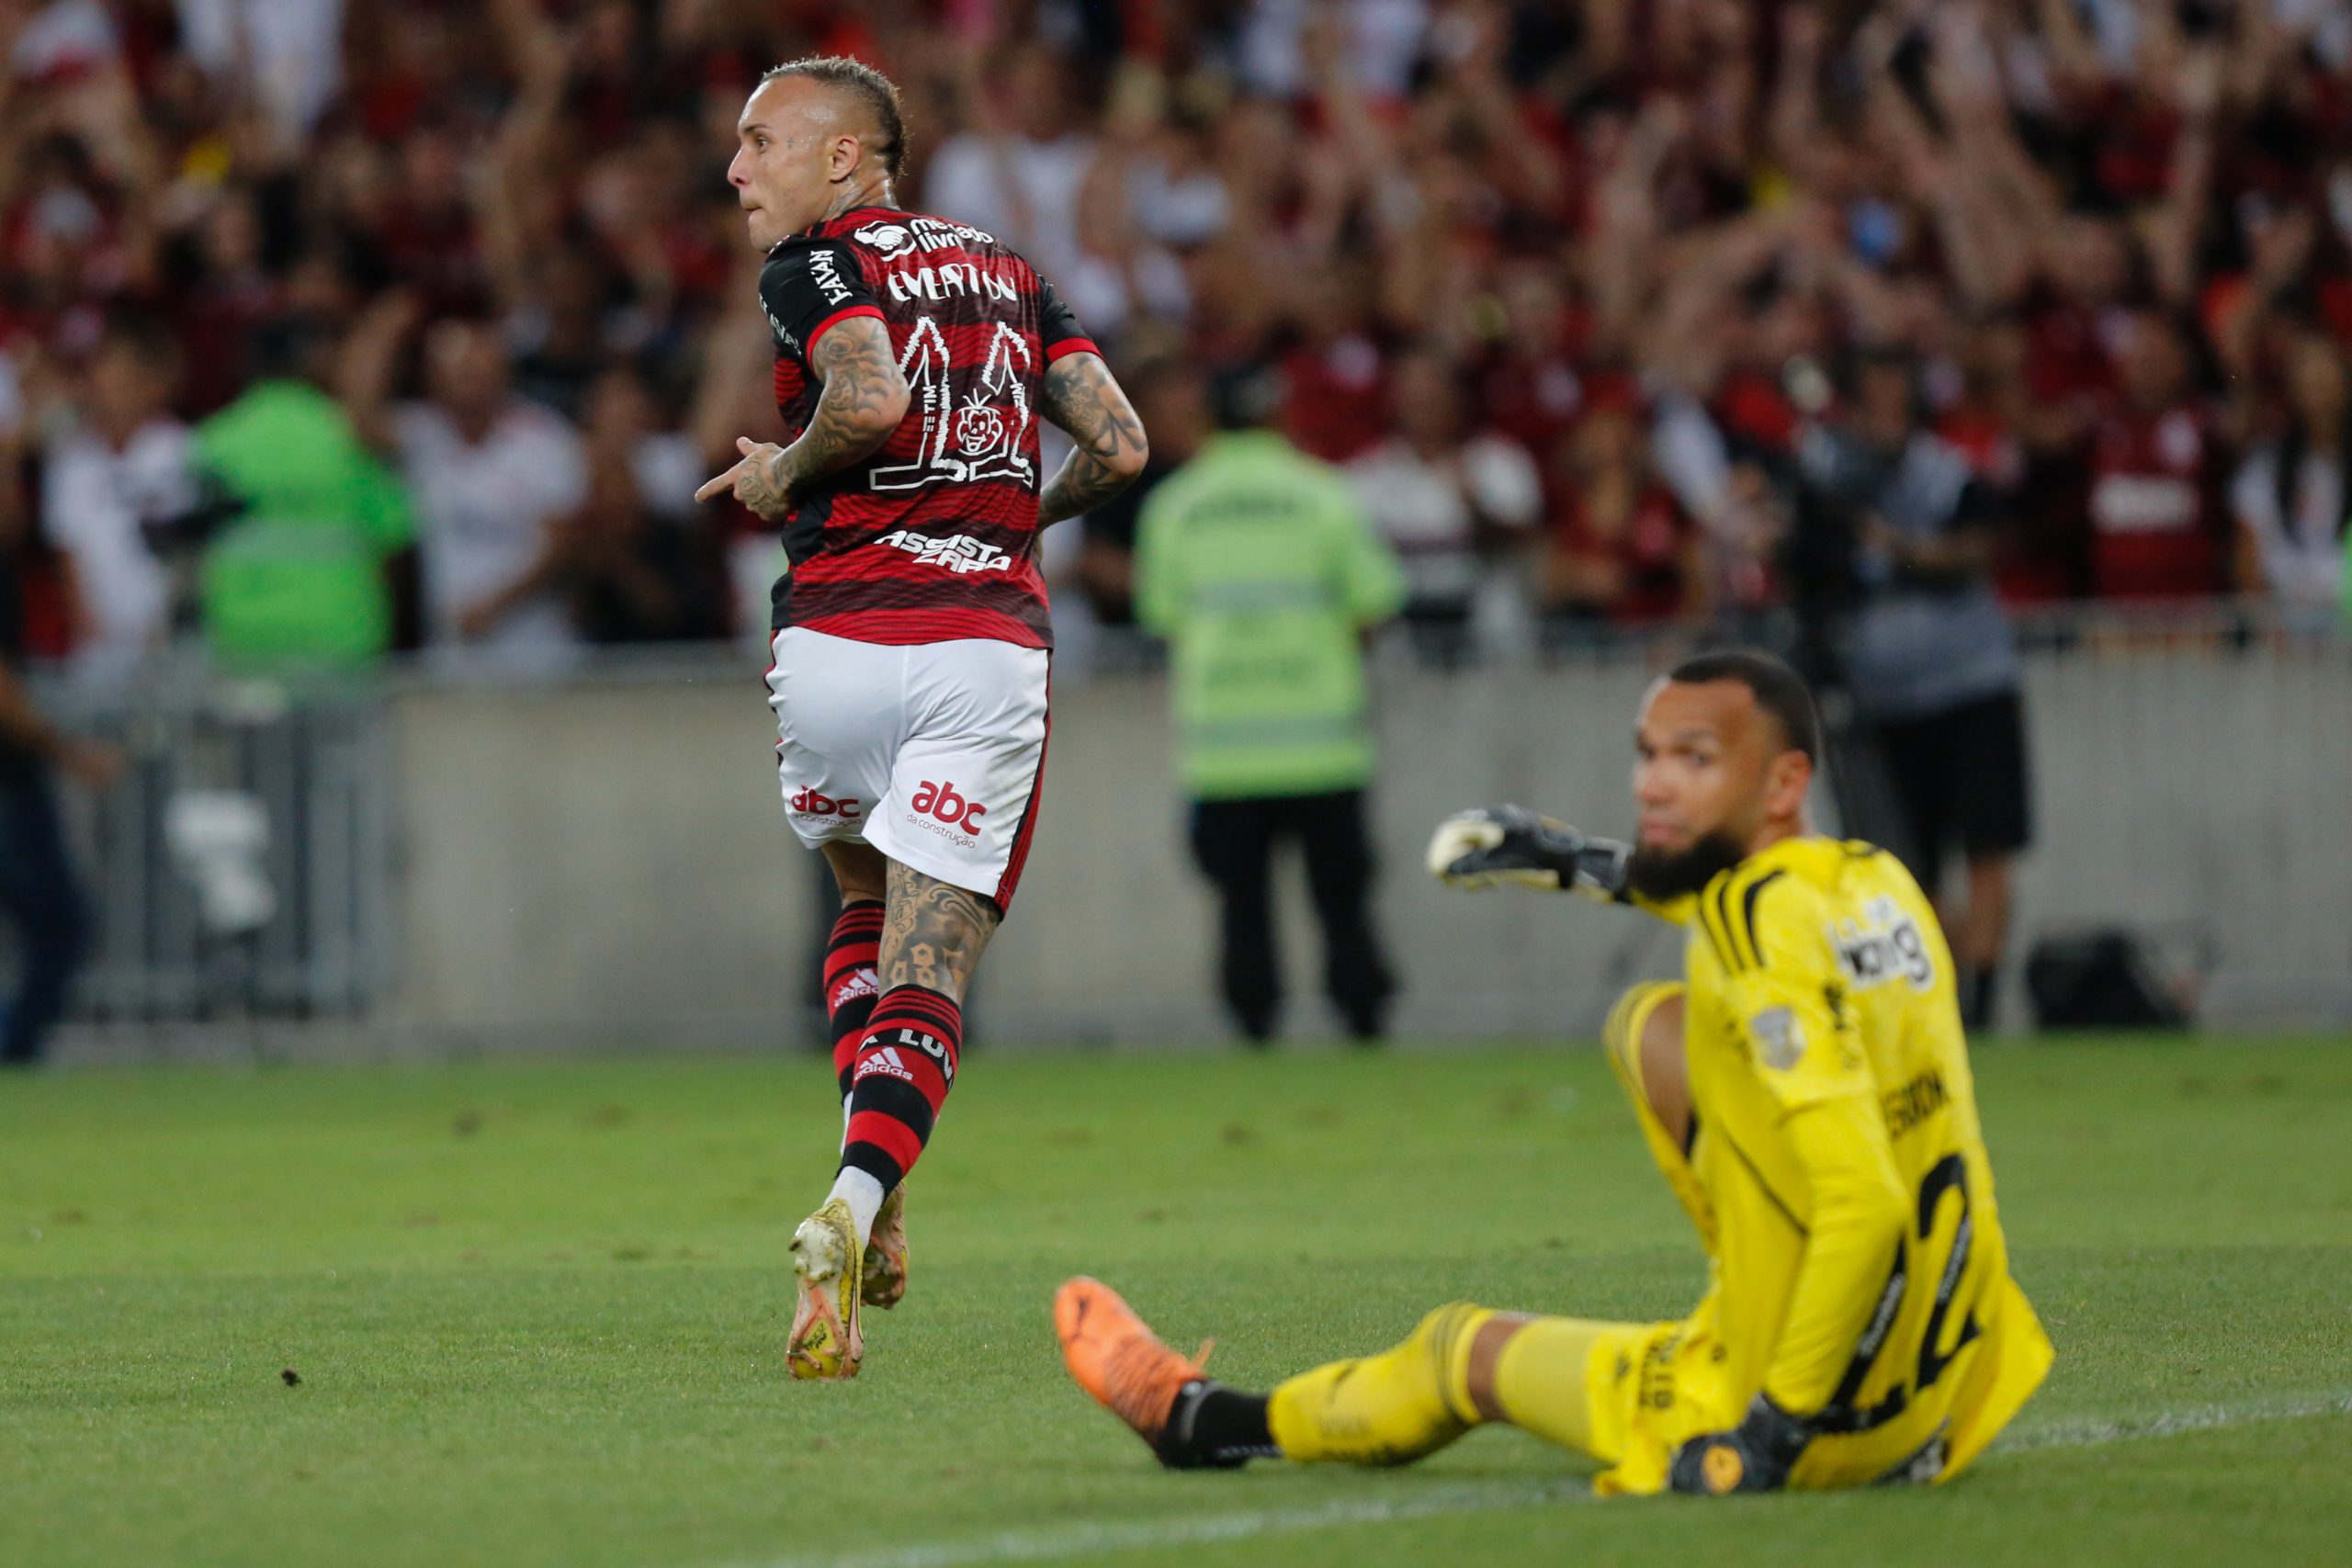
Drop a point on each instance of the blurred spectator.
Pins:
(1378, 42)
(1258, 567)
(1929, 659)
(631, 564)
(1618, 549)
(427, 234)
(39, 895)
(1446, 498)
(111, 480)
(663, 462)
(493, 476)
(1529, 385)
(2156, 517)
(229, 296)
(285, 54)
(315, 559)
(61, 37)
(1987, 414)
(2097, 225)
(1336, 404)
(558, 333)
(1176, 193)
(625, 574)
(1017, 167)
(2293, 496)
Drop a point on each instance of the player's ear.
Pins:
(845, 151)
(1787, 779)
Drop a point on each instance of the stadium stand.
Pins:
(1632, 244)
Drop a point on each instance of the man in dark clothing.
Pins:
(38, 894)
(1929, 657)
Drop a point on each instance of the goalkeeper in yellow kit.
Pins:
(1805, 1090)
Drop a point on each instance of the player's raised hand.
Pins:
(1487, 848)
(757, 480)
(1498, 844)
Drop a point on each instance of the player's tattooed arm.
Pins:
(863, 399)
(1082, 396)
(933, 934)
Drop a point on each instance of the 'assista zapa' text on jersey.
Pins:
(929, 540)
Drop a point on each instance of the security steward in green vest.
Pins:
(1257, 564)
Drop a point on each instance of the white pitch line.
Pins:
(2172, 1423)
(1092, 1539)
(1088, 1540)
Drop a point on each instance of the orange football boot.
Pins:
(1114, 1356)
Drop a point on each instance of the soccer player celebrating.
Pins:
(913, 358)
(1805, 1088)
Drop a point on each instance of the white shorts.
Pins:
(932, 753)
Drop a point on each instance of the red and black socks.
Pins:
(894, 1055)
(851, 987)
(904, 1066)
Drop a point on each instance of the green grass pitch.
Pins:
(536, 1313)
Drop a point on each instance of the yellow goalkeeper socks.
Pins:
(1391, 1409)
(1407, 1403)
(1543, 1382)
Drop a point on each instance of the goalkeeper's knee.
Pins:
(1620, 1036)
(1391, 1409)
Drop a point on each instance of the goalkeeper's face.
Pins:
(1716, 780)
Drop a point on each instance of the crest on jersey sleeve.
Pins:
(1779, 1040)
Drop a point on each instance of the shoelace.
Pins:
(1139, 1373)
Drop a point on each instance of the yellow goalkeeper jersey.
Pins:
(1859, 1271)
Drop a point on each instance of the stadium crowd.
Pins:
(335, 326)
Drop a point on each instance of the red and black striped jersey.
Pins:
(931, 539)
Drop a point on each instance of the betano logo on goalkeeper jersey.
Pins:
(1885, 945)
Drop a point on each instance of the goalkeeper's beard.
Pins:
(1659, 874)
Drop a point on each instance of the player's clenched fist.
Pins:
(1755, 1456)
(1498, 844)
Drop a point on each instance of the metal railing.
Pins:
(2192, 767)
(241, 868)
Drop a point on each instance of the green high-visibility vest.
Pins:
(298, 578)
(1258, 565)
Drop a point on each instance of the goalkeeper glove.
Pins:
(1755, 1456)
(1511, 843)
